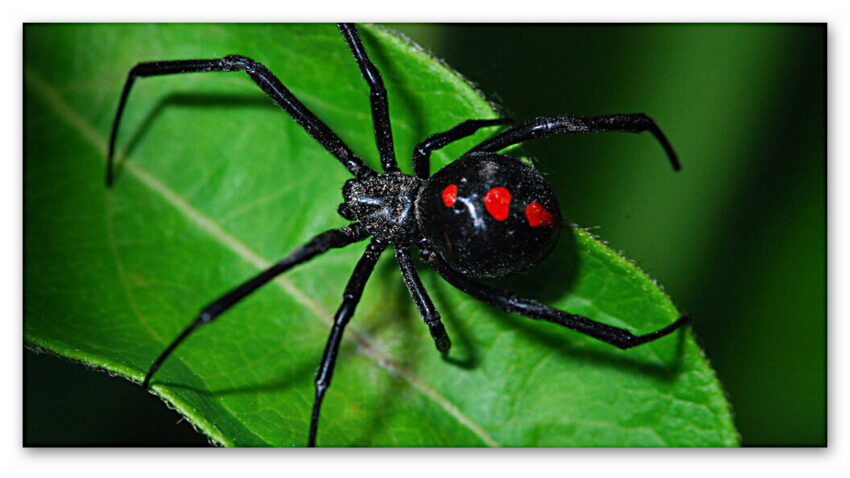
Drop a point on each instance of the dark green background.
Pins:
(738, 238)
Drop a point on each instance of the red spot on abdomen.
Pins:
(497, 201)
(537, 215)
(449, 195)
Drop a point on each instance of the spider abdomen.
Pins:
(489, 214)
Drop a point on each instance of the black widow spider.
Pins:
(483, 215)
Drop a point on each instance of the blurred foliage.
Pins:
(738, 238)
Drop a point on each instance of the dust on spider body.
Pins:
(486, 214)
(384, 204)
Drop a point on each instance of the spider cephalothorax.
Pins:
(484, 215)
(384, 204)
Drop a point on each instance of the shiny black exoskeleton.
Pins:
(503, 216)
(484, 215)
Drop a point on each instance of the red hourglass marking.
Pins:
(496, 201)
(537, 215)
(449, 195)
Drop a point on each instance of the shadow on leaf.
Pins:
(199, 100)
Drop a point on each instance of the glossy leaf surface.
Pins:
(215, 183)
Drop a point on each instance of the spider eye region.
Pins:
(489, 215)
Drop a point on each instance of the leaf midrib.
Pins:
(366, 345)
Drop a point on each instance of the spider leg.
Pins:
(423, 302)
(423, 150)
(377, 97)
(510, 302)
(566, 124)
(323, 242)
(351, 296)
(267, 81)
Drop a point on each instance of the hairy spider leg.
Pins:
(267, 81)
(567, 124)
(325, 241)
(513, 303)
(422, 151)
(423, 302)
(350, 299)
(377, 97)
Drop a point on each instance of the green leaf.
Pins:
(216, 183)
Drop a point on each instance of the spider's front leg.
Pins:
(377, 97)
(266, 80)
(351, 297)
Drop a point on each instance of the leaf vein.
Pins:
(366, 345)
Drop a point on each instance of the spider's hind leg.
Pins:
(423, 150)
(569, 124)
(510, 302)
